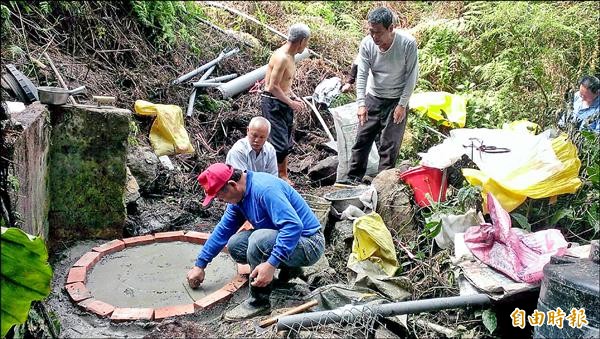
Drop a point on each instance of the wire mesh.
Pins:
(353, 321)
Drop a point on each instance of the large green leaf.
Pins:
(489, 320)
(521, 220)
(26, 275)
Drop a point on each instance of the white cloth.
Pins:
(243, 157)
(327, 90)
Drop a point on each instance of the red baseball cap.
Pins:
(213, 179)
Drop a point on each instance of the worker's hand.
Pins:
(195, 277)
(399, 114)
(262, 274)
(347, 86)
(362, 115)
(297, 104)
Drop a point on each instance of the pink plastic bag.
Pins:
(519, 255)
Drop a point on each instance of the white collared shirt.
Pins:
(243, 157)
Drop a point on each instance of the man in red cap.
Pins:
(286, 233)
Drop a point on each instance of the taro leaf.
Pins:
(521, 220)
(26, 275)
(489, 320)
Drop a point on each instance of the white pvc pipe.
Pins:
(198, 70)
(245, 81)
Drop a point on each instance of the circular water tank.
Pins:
(570, 283)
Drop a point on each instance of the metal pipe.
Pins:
(207, 84)
(191, 74)
(350, 313)
(245, 81)
(190, 109)
(222, 78)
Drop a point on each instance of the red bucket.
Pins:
(425, 180)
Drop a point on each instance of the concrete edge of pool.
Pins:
(77, 278)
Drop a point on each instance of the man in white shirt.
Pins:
(389, 60)
(254, 152)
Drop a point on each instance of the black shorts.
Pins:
(281, 117)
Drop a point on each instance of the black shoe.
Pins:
(258, 303)
(246, 310)
(288, 273)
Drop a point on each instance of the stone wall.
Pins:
(25, 151)
(87, 172)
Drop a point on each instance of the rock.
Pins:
(144, 165)
(298, 164)
(382, 332)
(325, 171)
(342, 232)
(177, 328)
(156, 216)
(166, 162)
(404, 166)
(318, 274)
(132, 189)
(394, 202)
(386, 179)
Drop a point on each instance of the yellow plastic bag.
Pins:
(450, 109)
(510, 196)
(167, 135)
(373, 241)
(523, 126)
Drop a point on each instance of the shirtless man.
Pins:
(278, 101)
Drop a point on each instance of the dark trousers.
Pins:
(281, 117)
(380, 120)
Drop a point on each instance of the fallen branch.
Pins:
(450, 333)
(217, 28)
(208, 148)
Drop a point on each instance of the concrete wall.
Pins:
(65, 171)
(26, 147)
(87, 173)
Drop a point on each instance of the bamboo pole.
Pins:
(295, 310)
(59, 78)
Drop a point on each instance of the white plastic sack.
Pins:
(327, 90)
(453, 224)
(531, 158)
(524, 147)
(346, 126)
(442, 155)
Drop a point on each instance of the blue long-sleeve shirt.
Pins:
(270, 203)
(587, 117)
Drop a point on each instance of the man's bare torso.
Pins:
(283, 63)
